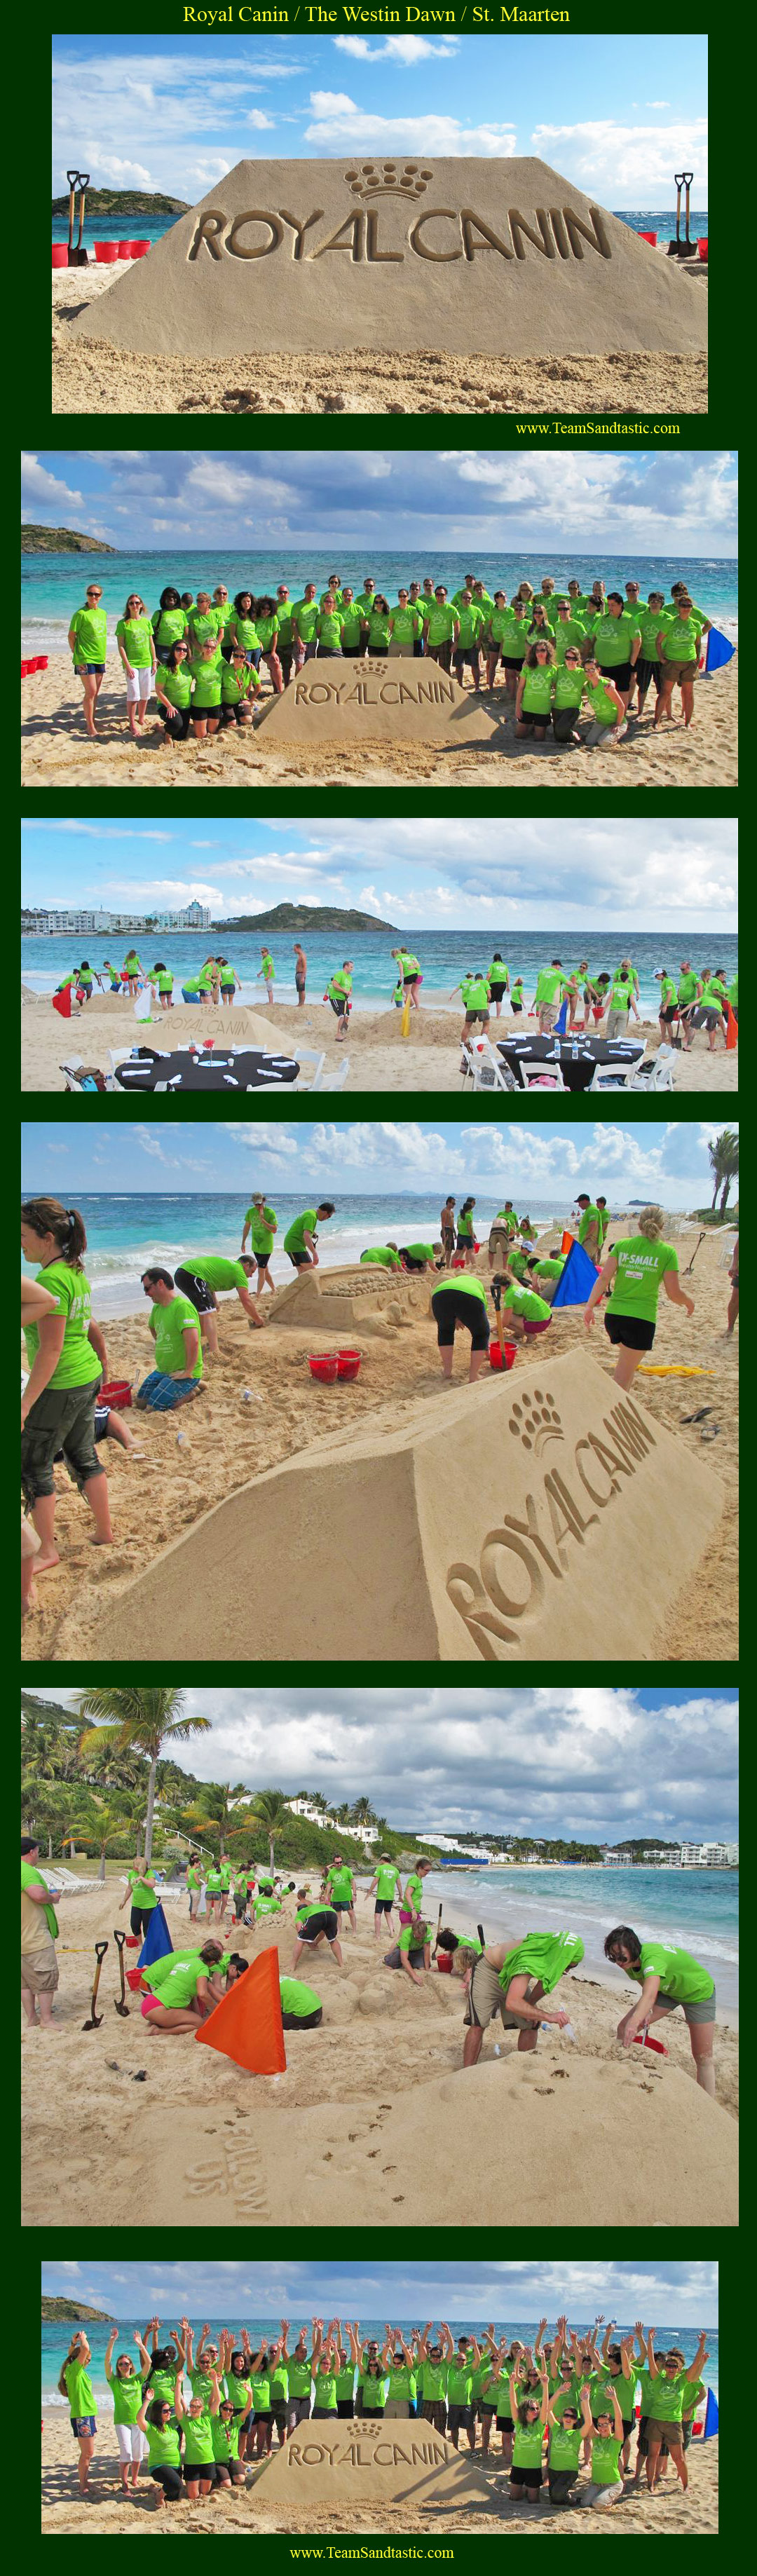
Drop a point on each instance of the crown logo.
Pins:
(388, 179)
(536, 1422)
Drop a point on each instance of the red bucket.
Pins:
(650, 237)
(42, 661)
(105, 251)
(117, 1393)
(134, 1940)
(495, 1355)
(348, 1364)
(134, 1979)
(324, 1365)
(125, 250)
(60, 255)
(702, 248)
(138, 249)
(444, 1963)
(25, 670)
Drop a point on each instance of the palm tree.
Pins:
(138, 1721)
(724, 1159)
(108, 1828)
(270, 1808)
(362, 1813)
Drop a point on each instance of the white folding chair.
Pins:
(613, 1077)
(658, 1076)
(484, 1067)
(552, 1074)
(314, 1080)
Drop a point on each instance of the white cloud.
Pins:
(120, 174)
(332, 102)
(402, 49)
(626, 164)
(341, 125)
(38, 485)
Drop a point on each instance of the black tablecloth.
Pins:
(577, 1056)
(243, 1070)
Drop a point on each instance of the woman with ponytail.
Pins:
(58, 1407)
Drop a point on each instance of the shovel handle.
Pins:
(119, 1938)
(481, 1935)
(100, 1949)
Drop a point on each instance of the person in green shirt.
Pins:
(199, 2470)
(689, 991)
(589, 1225)
(603, 2437)
(458, 1304)
(125, 2384)
(304, 621)
(551, 985)
(339, 1888)
(239, 687)
(498, 982)
(651, 617)
(262, 1225)
(174, 1326)
(533, 697)
(567, 628)
(266, 975)
(328, 627)
(434, 2354)
(88, 642)
(230, 2470)
(678, 644)
(384, 1256)
(158, 2422)
(312, 1925)
(301, 1241)
(386, 1887)
(412, 1951)
(523, 1311)
(285, 640)
(338, 994)
(636, 1269)
(405, 625)
(202, 1277)
(301, 2007)
(241, 630)
(194, 1882)
(617, 644)
(353, 625)
(378, 624)
(440, 628)
(76, 2386)
(412, 1898)
(462, 1948)
(205, 667)
(507, 635)
(141, 1893)
(205, 625)
(463, 2365)
(180, 1989)
(471, 624)
(67, 1358)
(668, 1004)
(474, 990)
(713, 1001)
(409, 972)
(161, 979)
(513, 1984)
(136, 645)
(173, 690)
(397, 2359)
(668, 1977)
(169, 622)
(529, 2416)
(541, 622)
(608, 709)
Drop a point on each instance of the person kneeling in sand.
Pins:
(524, 1313)
(604, 2440)
(182, 1988)
(313, 1924)
(173, 1323)
(458, 1304)
(513, 1982)
(413, 1949)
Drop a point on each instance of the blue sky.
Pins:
(666, 1161)
(590, 1764)
(594, 874)
(616, 116)
(643, 502)
(671, 2294)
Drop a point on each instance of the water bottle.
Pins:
(181, 1440)
(566, 2033)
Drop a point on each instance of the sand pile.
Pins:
(461, 253)
(400, 700)
(472, 1532)
(361, 2463)
(365, 2126)
(361, 1298)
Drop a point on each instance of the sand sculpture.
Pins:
(366, 2463)
(490, 1524)
(399, 700)
(333, 1300)
(486, 256)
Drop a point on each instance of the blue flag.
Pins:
(577, 1279)
(711, 2414)
(157, 1940)
(562, 1019)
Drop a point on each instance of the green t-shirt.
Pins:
(161, 2386)
(213, 1882)
(569, 685)
(517, 1261)
(405, 624)
(695, 2390)
(170, 1325)
(474, 991)
(339, 1881)
(432, 2380)
(605, 2454)
(602, 706)
(216, 1271)
(414, 1892)
(127, 2398)
(462, 1283)
(207, 684)
(162, 2440)
(194, 1877)
(239, 2390)
(31, 1877)
(135, 633)
(325, 2386)
(528, 2446)
(77, 1363)
(340, 986)
(142, 1893)
(402, 2381)
(568, 630)
(548, 1269)
(614, 637)
(653, 622)
(329, 627)
(89, 627)
(589, 1220)
(169, 626)
(237, 685)
(682, 639)
(470, 622)
(640, 1272)
(300, 2000)
(459, 2381)
(525, 1301)
(225, 2439)
(383, 1258)
(542, 1955)
(243, 631)
(679, 1974)
(667, 992)
(352, 622)
(411, 1940)
(176, 685)
(565, 2446)
(387, 1882)
(300, 2372)
(279, 2383)
(439, 622)
(285, 614)
(345, 2381)
(564, 2392)
(260, 2383)
(687, 988)
(81, 2396)
(551, 985)
(304, 618)
(378, 631)
(294, 1239)
(374, 2387)
(203, 625)
(260, 1222)
(175, 1981)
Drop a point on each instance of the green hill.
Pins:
(308, 916)
(61, 541)
(61, 2311)
(124, 201)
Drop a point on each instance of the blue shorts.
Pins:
(83, 2424)
(89, 666)
(162, 1393)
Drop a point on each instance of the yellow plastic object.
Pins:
(673, 1370)
(405, 1021)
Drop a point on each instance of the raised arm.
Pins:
(539, 2338)
(179, 2404)
(617, 2418)
(112, 2339)
(699, 2356)
(653, 2365)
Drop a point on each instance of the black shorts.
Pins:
(632, 1330)
(618, 672)
(325, 1920)
(467, 653)
(628, 2425)
(409, 981)
(534, 716)
(670, 1014)
(192, 2470)
(341, 1904)
(345, 2406)
(140, 1919)
(299, 1260)
(262, 2415)
(324, 2415)
(384, 1904)
(302, 2021)
(496, 992)
(451, 1306)
(646, 672)
(231, 710)
(176, 721)
(339, 1004)
(409, 1260)
(197, 1290)
(459, 2416)
(511, 662)
(527, 2477)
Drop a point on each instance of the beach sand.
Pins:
(668, 2511)
(56, 751)
(94, 376)
(225, 1441)
(365, 2126)
(380, 1059)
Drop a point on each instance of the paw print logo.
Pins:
(536, 1422)
(388, 179)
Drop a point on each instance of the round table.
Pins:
(577, 1056)
(238, 1068)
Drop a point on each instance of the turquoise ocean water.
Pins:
(444, 955)
(52, 586)
(152, 227)
(56, 2340)
(696, 1910)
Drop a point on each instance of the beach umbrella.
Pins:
(577, 1280)
(157, 1940)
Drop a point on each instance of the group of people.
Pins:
(197, 2413)
(556, 654)
(216, 981)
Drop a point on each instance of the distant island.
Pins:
(309, 916)
(70, 2311)
(61, 541)
(124, 201)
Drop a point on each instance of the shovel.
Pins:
(80, 257)
(96, 2018)
(122, 2006)
(481, 1935)
(438, 1928)
(496, 1293)
(73, 179)
(682, 249)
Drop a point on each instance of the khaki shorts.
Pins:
(546, 1013)
(486, 1999)
(677, 671)
(659, 2430)
(39, 1971)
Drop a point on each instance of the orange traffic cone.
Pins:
(247, 2025)
(567, 1240)
(732, 1031)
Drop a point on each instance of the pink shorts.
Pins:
(148, 2004)
(536, 1323)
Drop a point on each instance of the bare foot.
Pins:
(103, 1542)
(43, 1564)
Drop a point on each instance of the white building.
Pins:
(708, 1856)
(81, 923)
